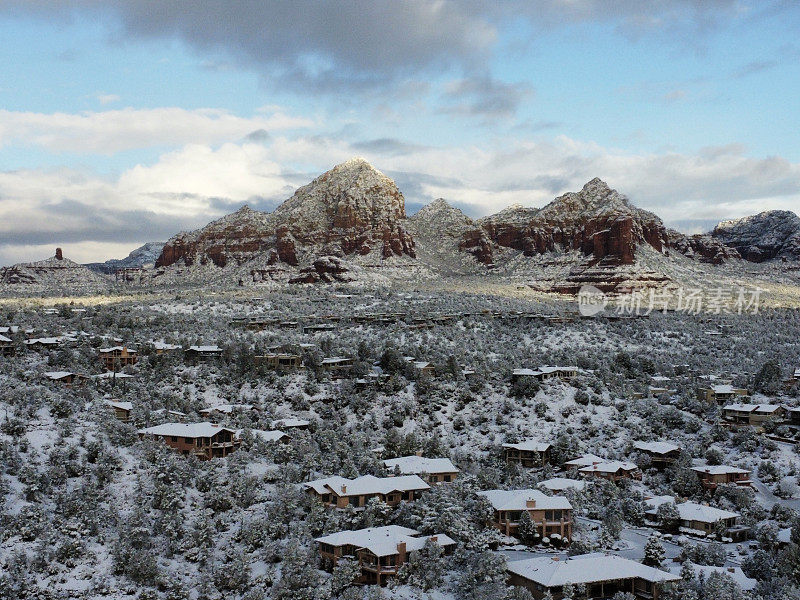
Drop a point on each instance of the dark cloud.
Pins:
(258, 136)
(485, 96)
(387, 146)
(72, 221)
(334, 45)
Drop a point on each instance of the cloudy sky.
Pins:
(126, 122)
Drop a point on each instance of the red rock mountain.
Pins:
(351, 209)
(597, 221)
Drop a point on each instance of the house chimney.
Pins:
(556, 558)
(731, 570)
(59, 254)
(434, 538)
(401, 551)
(418, 453)
(530, 503)
(344, 489)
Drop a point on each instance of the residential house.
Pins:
(65, 377)
(319, 328)
(223, 410)
(562, 484)
(662, 454)
(721, 394)
(793, 415)
(276, 435)
(432, 470)
(175, 415)
(202, 353)
(380, 551)
(530, 453)
(117, 357)
(122, 410)
(43, 343)
(712, 476)
(545, 373)
(6, 346)
(551, 514)
(584, 460)
(603, 575)
(745, 583)
(340, 492)
(164, 348)
(290, 423)
(422, 366)
(204, 440)
(700, 518)
(279, 362)
(337, 366)
(612, 470)
(753, 414)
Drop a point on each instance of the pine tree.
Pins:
(528, 531)
(653, 552)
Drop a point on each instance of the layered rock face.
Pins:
(235, 238)
(765, 236)
(597, 221)
(55, 274)
(353, 209)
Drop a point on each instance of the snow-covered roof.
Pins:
(9, 329)
(529, 446)
(720, 470)
(585, 460)
(383, 541)
(543, 370)
(612, 466)
(190, 430)
(56, 375)
(335, 360)
(289, 422)
(518, 499)
(226, 408)
(116, 349)
(785, 535)
(204, 349)
(4, 339)
(414, 465)
(559, 484)
(692, 511)
(120, 405)
(367, 484)
(112, 375)
(656, 501)
(735, 573)
(47, 341)
(164, 346)
(656, 447)
(275, 435)
(724, 389)
(765, 408)
(586, 568)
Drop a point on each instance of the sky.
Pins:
(127, 122)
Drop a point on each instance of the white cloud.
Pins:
(189, 187)
(107, 132)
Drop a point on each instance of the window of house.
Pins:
(448, 477)
(174, 438)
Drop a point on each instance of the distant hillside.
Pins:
(144, 256)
